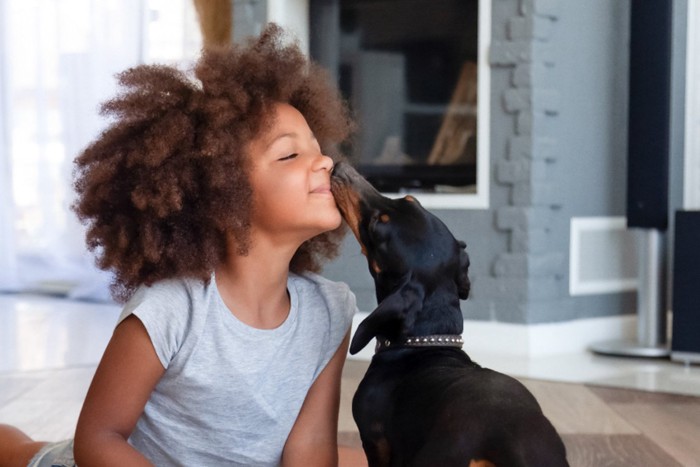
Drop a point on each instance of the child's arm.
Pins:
(124, 380)
(314, 435)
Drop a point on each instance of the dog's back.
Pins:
(425, 407)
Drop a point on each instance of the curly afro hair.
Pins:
(163, 188)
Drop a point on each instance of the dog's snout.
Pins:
(342, 171)
(346, 175)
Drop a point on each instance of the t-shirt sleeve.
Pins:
(165, 311)
(342, 306)
(349, 309)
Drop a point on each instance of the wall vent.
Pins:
(603, 256)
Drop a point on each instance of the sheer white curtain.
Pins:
(58, 61)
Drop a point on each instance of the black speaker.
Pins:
(685, 343)
(649, 114)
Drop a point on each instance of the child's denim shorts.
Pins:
(59, 454)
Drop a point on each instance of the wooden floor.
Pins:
(601, 426)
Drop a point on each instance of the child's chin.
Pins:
(338, 220)
(331, 223)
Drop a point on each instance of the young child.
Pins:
(210, 201)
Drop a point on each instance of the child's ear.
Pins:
(393, 317)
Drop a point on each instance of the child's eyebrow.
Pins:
(292, 135)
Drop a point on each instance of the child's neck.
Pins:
(254, 287)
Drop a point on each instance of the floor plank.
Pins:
(674, 427)
(573, 408)
(350, 439)
(624, 396)
(615, 451)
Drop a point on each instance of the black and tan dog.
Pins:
(423, 402)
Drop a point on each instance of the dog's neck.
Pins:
(438, 324)
(440, 314)
(437, 316)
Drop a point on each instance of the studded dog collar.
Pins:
(437, 340)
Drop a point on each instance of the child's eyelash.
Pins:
(291, 156)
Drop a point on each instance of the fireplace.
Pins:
(410, 70)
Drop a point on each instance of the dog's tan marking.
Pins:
(381, 446)
(349, 205)
(376, 267)
(348, 202)
(383, 451)
(410, 198)
(481, 463)
(384, 218)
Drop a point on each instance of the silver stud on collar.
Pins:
(441, 340)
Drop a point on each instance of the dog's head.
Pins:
(411, 254)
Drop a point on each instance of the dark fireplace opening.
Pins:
(408, 69)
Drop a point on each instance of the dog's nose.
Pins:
(338, 169)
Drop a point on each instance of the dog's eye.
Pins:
(378, 216)
(379, 227)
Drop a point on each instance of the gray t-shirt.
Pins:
(231, 393)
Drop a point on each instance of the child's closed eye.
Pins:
(289, 157)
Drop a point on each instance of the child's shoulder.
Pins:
(168, 296)
(317, 281)
(336, 295)
(170, 289)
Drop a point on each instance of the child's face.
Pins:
(290, 178)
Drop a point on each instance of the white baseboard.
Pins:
(533, 340)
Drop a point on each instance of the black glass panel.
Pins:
(408, 69)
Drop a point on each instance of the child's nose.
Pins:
(324, 163)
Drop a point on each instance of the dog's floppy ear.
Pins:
(393, 316)
(462, 279)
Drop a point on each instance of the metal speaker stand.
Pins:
(651, 339)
